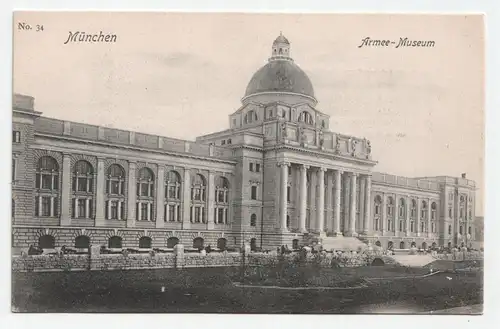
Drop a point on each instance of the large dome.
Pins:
(280, 76)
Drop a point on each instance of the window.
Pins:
(449, 212)
(378, 202)
(449, 229)
(82, 187)
(433, 227)
(223, 142)
(82, 242)
(173, 185)
(253, 220)
(172, 242)
(288, 194)
(412, 226)
(16, 136)
(423, 211)
(198, 243)
(433, 211)
(402, 207)
(390, 206)
(257, 167)
(115, 192)
(145, 242)
(413, 208)
(401, 226)
(221, 199)
(250, 117)
(221, 244)
(47, 187)
(115, 242)
(13, 208)
(254, 193)
(470, 229)
(461, 229)
(288, 221)
(145, 183)
(306, 117)
(229, 141)
(422, 226)
(250, 166)
(46, 242)
(198, 188)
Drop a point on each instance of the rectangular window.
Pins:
(46, 206)
(288, 194)
(220, 197)
(115, 187)
(257, 167)
(82, 184)
(251, 166)
(254, 193)
(400, 225)
(56, 207)
(221, 216)
(16, 136)
(197, 194)
(144, 211)
(171, 213)
(227, 218)
(81, 208)
(114, 209)
(197, 214)
(449, 212)
(47, 182)
(172, 192)
(215, 215)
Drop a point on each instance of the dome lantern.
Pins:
(280, 49)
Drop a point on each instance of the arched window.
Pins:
(424, 211)
(378, 203)
(83, 190)
(390, 206)
(172, 242)
(145, 195)
(422, 226)
(306, 117)
(295, 244)
(115, 242)
(46, 242)
(390, 245)
(172, 197)
(145, 242)
(461, 229)
(433, 211)
(198, 243)
(462, 206)
(198, 197)
(413, 244)
(402, 245)
(221, 200)
(253, 244)
(470, 230)
(449, 229)
(221, 244)
(253, 220)
(250, 117)
(82, 242)
(115, 192)
(47, 187)
(413, 212)
(402, 208)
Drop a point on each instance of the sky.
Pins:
(181, 75)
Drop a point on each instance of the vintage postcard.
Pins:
(247, 163)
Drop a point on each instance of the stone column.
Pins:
(65, 191)
(429, 213)
(186, 200)
(383, 218)
(368, 204)
(346, 191)
(100, 202)
(418, 217)
(160, 197)
(132, 196)
(407, 215)
(352, 206)
(329, 204)
(211, 200)
(320, 201)
(303, 198)
(283, 203)
(336, 209)
(360, 220)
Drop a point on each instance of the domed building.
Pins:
(277, 176)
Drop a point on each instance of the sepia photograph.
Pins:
(247, 163)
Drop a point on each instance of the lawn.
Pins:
(210, 290)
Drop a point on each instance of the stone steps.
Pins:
(342, 243)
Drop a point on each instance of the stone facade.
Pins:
(277, 176)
